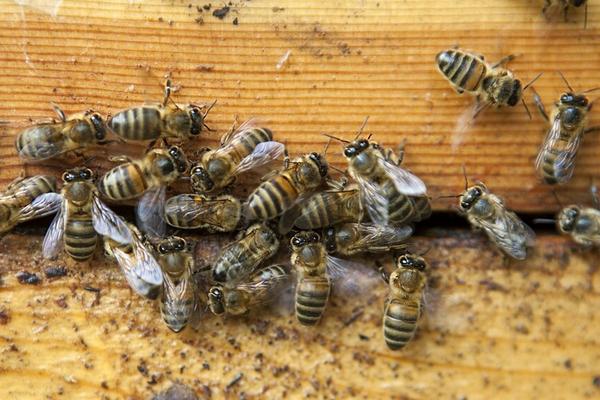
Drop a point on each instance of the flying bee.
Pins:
(487, 211)
(141, 270)
(19, 202)
(240, 258)
(555, 162)
(152, 122)
(260, 289)
(284, 189)
(403, 306)
(241, 150)
(178, 300)
(492, 85)
(565, 6)
(149, 177)
(80, 218)
(353, 238)
(193, 211)
(48, 140)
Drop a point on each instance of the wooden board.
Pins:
(348, 60)
(493, 330)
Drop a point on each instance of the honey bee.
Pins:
(487, 211)
(20, 203)
(240, 258)
(141, 270)
(80, 218)
(402, 308)
(152, 122)
(565, 6)
(492, 85)
(284, 188)
(260, 289)
(582, 223)
(241, 150)
(48, 140)
(555, 162)
(178, 300)
(148, 177)
(193, 211)
(353, 238)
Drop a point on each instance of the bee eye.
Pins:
(315, 237)
(404, 261)
(68, 176)
(464, 204)
(174, 152)
(162, 249)
(477, 191)
(350, 151)
(216, 293)
(297, 241)
(363, 144)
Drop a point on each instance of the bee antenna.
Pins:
(526, 108)
(531, 82)
(449, 196)
(465, 175)
(557, 199)
(327, 146)
(209, 108)
(566, 81)
(369, 137)
(426, 251)
(362, 127)
(590, 90)
(544, 221)
(338, 170)
(335, 137)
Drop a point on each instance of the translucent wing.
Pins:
(150, 212)
(109, 224)
(262, 154)
(376, 238)
(509, 233)
(43, 205)
(265, 285)
(334, 201)
(142, 271)
(197, 209)
(53, 241)
(374, 200)
(240, 130)
(44, 140)
(550, 143)
(178, 302)
(351, 278)
(405, 182)
(564, 163)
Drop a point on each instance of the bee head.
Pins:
(197, 119)
(411, 261)
(307, 245)
(516, 91)
(470, 197)
(359, 159)
(216, 300)
(99, 126)
(567, 218)
(77, 174)
(572, 99)
(173, 244)
(201, 179)
(321, 163)
(178, 158)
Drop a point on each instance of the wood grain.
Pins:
(348, 60)
(492, 330)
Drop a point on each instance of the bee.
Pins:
(487, 211)
(20, 203)
(402, 308)
(240, 258)
(178, 300)
(261, 288)
(353, 238)
(152, 122)
(241, 150)
(193, 211)
(80, 218)
(283, 190)
(582, 223)
(148, 177)
(492, 85)
(565, 6)
(48, 140)
(136, 259)
(555, 162)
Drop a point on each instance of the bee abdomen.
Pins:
(272, 197)
(176, 314)
(139, 123)
(311, 300)
(400, 323)
(80, 238)
(401, 209)
(464, 70)
(39, 143)
(123, 182)
(422, 208)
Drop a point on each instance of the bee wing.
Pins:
(262, 154)
(373, 200)
(351, 278)
(45, 138)
(150, 212)
(205, 209)
(381, 236)
(44, 204)
(141, 270)
(265, 290)
(406, 182)
(565, 162)
(53, 241)
(510, 233)
(109, 224)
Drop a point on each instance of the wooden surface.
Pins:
(523, 330)
(348, 60)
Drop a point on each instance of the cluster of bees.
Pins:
(371, 208)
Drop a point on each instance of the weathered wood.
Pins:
(492, 330)
(347, 60)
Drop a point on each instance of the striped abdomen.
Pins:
(25, 191)
(312, 294)
(124, 182)
(400, 322)
(548, 169)
(465, 71)
(272, 197)
(41, 142)
(329, 208)
(176, 310)
(80, 237)
(246, 141)
(422, 208)
(401, 209)
(138, 123)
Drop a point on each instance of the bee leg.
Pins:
(504, 60)
(384, 274)
(594, 193)
(592, 129)
(119, 159)
(59, 112)
(540, 105)
(286, 158)
(150, 146)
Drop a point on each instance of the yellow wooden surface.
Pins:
(348, 60)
